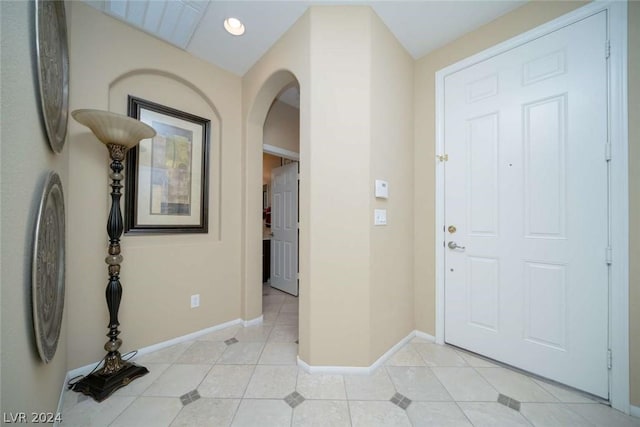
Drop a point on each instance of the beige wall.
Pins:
(391, 119)
(25, 160)
(520, 20)
(269, 162)
(110, 60)
(282, 127)
(634, 198)
(340, 196)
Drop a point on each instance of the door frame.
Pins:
(280, 152)
(290, 155)
(618, 181)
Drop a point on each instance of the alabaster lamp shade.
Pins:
(112, 128)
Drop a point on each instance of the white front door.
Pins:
(526, 188)
(284, 225)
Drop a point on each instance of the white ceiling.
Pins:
(196, 25)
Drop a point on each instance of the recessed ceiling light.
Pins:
(234, 26)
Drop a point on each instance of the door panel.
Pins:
(526, 189)
(483, 292)
(545, 292)
(545, 130)
(482, 161)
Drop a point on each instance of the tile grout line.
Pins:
(295, 389)
(441, 383)
(447, 390)
(438, 379)
(564, 405)
(235, 413)
(255, 366)
(125, 408)
(475, 368)
(348, 408)
(484, 379)
(141, 394)
(244, 391)
(462, 411)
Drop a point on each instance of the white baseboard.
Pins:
(361, 370)
(185, 338)
(345, 370)
(61, 399)
(387, 355)
(634, 411)
(254, 322)
(425, 336)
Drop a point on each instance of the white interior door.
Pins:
(526, 188)
(284, 225)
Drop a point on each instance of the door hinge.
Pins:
(607, 49)
(609, 359)
(298, 176)
(609, 255)
(607, 151)
(443, 158)
(298, 276)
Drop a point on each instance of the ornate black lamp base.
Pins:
(100, 386)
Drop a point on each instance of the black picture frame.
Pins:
(167, 177)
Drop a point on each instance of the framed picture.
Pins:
(167, 176)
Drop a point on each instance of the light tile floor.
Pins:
(253, 380)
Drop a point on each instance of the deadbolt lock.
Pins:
(452, 229)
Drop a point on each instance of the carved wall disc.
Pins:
(48, 268)
(53, 69)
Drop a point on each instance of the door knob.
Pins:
(454, 245)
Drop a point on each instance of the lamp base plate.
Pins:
(100, 386)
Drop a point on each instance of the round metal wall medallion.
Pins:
(47, 272)
(53, 69)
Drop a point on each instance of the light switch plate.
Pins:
(195, 300)
(380, 217)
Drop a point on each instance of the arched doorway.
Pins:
(252, 289)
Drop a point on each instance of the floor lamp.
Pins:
(119, 133)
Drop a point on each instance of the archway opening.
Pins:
(273, 127)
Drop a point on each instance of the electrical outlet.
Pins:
(195, 300)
